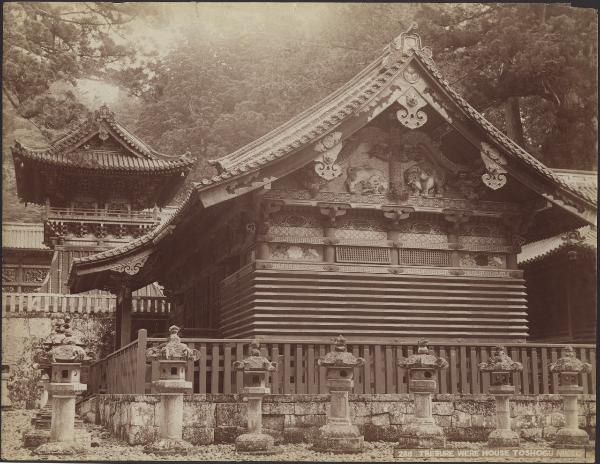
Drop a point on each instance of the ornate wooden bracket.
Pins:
(518, 225)
(131, 267)
(396, 213)
(494, 162)
(456, 218)
(329, 148)
(411, 114)
(332, 211)
(268, 208)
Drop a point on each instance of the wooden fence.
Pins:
(299, 373)
(123, 371)
(13, 303)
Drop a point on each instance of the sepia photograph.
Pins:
(299, 232)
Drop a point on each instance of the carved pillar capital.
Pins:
(332, 211)
(396, 214)
(456, 218)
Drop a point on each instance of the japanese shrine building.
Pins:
(390, 209)
(102, 187)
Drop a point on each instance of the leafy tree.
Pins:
(51, 43)
(24, 380)
(537, 61)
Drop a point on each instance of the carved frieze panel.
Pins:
(9, 274)
(491, 260)
(9, 289)
(364, 180)
(480, 241)
(416, 240)
(296, 252)
(296, 222)
(34, 275)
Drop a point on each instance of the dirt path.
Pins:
(15, 423)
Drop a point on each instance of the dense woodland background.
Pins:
(209, 78)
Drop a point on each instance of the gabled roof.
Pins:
(323, 117)
(23, 236)
(369, 89)
(70, 150)
(584, 237)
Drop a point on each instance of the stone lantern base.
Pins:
(570, 438)
(167, 446)
(255, 443)
(339, 438)
(421, 435)
(62, 448)
(503, 438)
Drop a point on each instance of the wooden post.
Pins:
(123, 317)
(140, 373)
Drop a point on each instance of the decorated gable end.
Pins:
(389, 209)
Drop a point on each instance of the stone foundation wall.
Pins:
(296, 418)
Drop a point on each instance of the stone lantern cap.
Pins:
(67, 351)
(339, 357)
(255, 362)
(500, 362)
(172, 349)
(569, 363)
(424, 359)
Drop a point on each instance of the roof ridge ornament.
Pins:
(104, 112)
(403, 47)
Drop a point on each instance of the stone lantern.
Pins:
(501, 367)
(172, 357)
(422, 367)
(64, 386)
(255, 369)
(569, 368)
(338, 435)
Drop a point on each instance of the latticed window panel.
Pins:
(424, 257)
(372, 255)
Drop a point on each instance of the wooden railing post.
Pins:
(140, 369)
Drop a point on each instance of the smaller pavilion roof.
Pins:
(584, 237)
(70, 150)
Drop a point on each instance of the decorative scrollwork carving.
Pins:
(411, 114)
(329, 147)
(494, 162)
(131, 267)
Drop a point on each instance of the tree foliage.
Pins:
(56, 43)
(24, 379)
(543, 56)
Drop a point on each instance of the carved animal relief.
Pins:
(365, 180)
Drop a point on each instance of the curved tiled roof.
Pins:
(584, 237)
(322, 117)
(140, 156)
(586, 182)
(103, 160)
